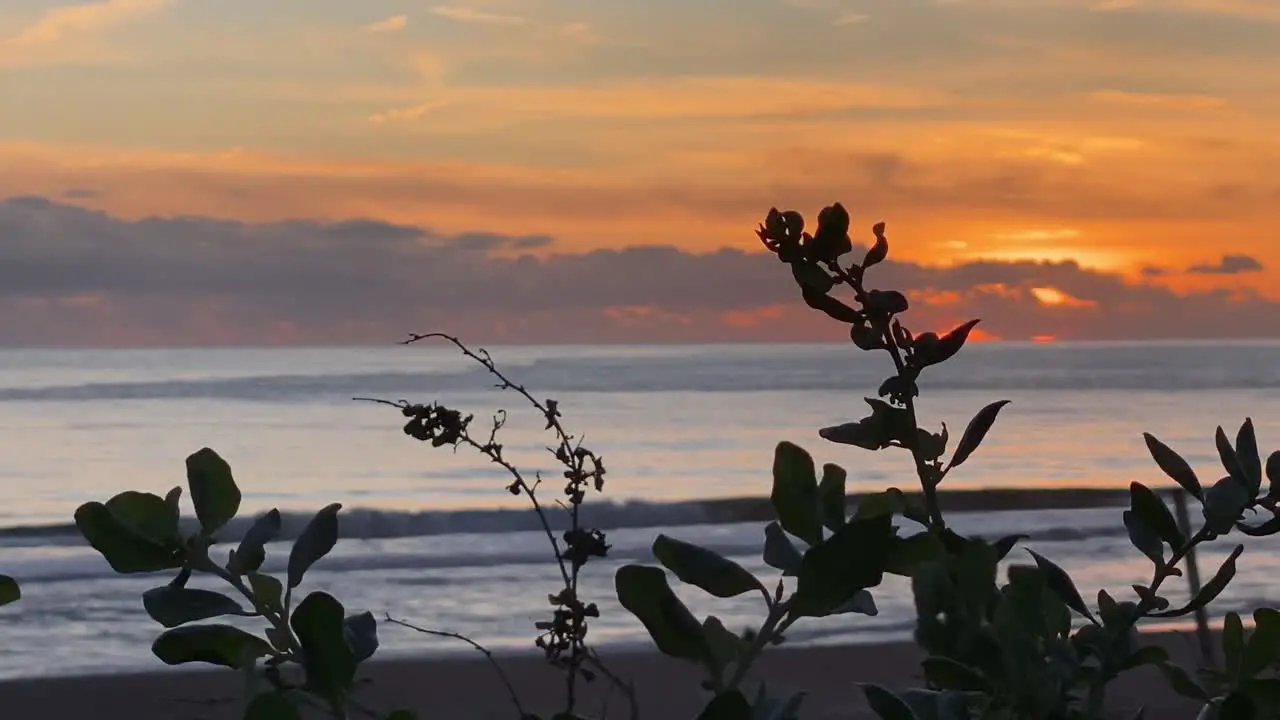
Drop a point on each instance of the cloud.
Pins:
(1159, 101)
(851, 18)
(464, 14)
(60, 27)
(1228, 265)
(391, 24)
(70, 276)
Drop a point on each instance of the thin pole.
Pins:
(1193, 581)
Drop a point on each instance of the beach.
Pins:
(469, 689)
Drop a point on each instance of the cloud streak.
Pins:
(61, 26)
(74, 277)
(389, 25)
(1228, 265)
(463, 14)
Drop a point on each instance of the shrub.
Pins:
(139, 532)
(1029, 648)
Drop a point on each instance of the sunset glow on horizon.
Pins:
(1088, 158)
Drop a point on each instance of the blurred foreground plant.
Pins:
(139, 532)
(563, 636)
(1011, 650)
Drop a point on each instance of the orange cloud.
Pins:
(391, 24)
(1158, 100)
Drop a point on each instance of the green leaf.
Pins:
(1230, 460)
(272, 706)
(1153, 513)
(704, 568)
(1263, 647)
(125, 550)
(947, 674)
(1248, 458)
(644, 592)
(731, 705)
(852, 559)
(1232, 644)
(173, 606)
(795, 493)
(327, 657)
(976, 432)
(1060, 583)
(146, 515)
(314, 542)
(886, 705)
(779, 552)
(1143, 537)
(831, 493)
(361, 631)
(213, 490)
(1273, 472)
(1224, 503)
(907, 554)
(889, 502)
(1182, 683)
(1172, 464)
(9, 590)
(267, 591)
(213, 644)
(726, 646)
(1237, 706)
(252, 550)
(1209, 590)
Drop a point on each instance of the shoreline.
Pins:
(467, 688)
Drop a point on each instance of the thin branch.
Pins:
(502, 674)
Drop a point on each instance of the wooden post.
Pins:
(1193, 581)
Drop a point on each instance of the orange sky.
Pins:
(1121, 134)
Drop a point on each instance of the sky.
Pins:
(194, 172)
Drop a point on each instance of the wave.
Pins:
(1036, 507)
(812, 369)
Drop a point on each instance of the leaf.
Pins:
(1230, 461)
(125, 550)
(272, 706)
(1237, 706)
(1005, 545)
(1060, 583)
(314, 542)
(1263, 648)
(252, 551)
(146, 515)
(1273, 472)
(704, 568)
(267, 590)
(831, 494)
(878, 251)
(731, 705)
(1149, 655)
(408, 715)
(1182, 683)
(1154, 514)
(1224, 503)
(976, 432)
(887, 705)
(1248, 458)
(795, 493)
(889, 502)
(329, 660)
(174, 606)
(946, 346)
(213, 490)
(10, 592)
(725, 646)
(644, 592)
(947, 674)
(1232, 644)
(779, 553)
(361, 631)
(1143, 537)
(907, 554)
(812, 277)
(862, 603)
(852, 559)
(213, 644)
(1209, 590)
(1172, 464)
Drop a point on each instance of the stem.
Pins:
(627, 688)
(773, 626)
(502, 675)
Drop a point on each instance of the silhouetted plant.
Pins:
(995, 650)
(139, 532)
(562, 636)
(10, 591)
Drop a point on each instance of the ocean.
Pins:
(430, 536)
